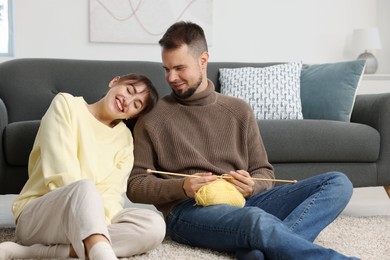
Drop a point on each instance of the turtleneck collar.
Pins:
(208, 96)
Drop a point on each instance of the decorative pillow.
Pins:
(328, 90)
(273, 92)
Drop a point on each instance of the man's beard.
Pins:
(190, 91)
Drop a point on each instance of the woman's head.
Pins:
(134, 94)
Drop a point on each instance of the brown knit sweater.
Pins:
(208, 132)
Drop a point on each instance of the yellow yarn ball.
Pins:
(219, 192)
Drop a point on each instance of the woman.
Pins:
(72, 204)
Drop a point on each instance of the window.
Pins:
(6, 28)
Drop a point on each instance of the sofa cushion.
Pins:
(213, 69)
(273, 92)
(18, 141)
(294, 141)
(328, 90)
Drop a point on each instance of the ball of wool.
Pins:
(219, 192)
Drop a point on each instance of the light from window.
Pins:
(6, 22)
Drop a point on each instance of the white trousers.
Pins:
(72, 213)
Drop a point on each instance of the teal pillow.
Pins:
(328, 90)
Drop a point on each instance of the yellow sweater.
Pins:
(71, 144)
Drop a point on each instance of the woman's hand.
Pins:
(192, 184)
(242, 181)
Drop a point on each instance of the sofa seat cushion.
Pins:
(286, 141)
(18, 141)
(294, 141)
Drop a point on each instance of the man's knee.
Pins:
(341, 185)
(342, 180)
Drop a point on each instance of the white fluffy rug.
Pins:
(363, 237)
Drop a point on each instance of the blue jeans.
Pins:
(282, 222)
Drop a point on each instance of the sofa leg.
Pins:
(387, 189)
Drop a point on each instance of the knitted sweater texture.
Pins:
(208, 132)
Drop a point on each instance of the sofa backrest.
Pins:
(27, 87)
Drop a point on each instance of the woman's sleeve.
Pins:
(55, 146)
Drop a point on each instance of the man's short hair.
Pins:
(188, 33)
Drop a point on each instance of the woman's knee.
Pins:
(85, 200)
(157, 228)
(147, 222)
(83, 184)
(154, 225)
(83, 189)
(144, 227)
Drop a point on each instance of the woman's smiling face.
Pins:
(127, 98)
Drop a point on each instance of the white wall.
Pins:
(244, 30)
(384, 27)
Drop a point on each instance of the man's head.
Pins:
(185, 57)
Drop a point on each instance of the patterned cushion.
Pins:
(273, 92)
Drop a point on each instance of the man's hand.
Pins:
(192, 184)
(242, 181)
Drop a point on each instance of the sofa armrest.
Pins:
(3, 115)
(374, 110)
(3, 124)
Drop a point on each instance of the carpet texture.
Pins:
(363, 237)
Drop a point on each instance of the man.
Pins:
(198, 131)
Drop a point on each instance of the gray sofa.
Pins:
(297, 148)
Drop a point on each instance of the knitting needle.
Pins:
(185, 175)
(221, 176)
(275, 180)
(172, 173)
